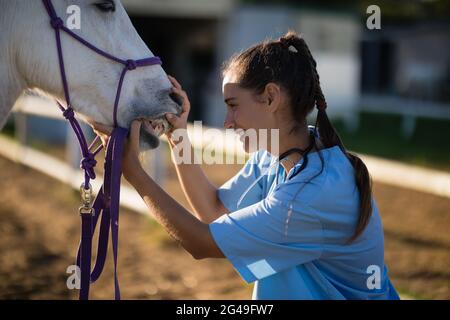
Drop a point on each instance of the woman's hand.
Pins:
(178, 122)
(130, 159)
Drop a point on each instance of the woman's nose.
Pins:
(228, 123)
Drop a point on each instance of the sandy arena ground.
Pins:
(39, 227)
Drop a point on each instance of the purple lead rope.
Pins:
(107, 201)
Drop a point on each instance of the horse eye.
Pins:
(106, 6)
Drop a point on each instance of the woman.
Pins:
(299, 221)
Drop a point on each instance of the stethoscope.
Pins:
(282, 157)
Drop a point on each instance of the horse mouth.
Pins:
(153, 128)
(157, 126)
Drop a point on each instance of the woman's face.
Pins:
(247, 113)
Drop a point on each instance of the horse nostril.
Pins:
(176, 98)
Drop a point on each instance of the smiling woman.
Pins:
(299, 219)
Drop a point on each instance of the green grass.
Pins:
(407, 295)
(380, 135)
(9, 129)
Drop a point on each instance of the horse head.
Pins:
(92, 79)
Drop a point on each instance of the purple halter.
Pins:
(107, 200)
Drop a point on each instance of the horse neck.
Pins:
(10, 91)
(12, 84)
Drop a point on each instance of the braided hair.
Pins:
(289, 63)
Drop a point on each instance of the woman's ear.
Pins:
(273, 96)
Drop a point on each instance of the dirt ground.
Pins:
(39, 228)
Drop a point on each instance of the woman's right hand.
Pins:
(178, 122)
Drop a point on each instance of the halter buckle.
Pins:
(86, 211)
(86, 198)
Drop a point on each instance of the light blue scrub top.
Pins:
(302, 253)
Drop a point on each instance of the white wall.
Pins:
(246, 26)
(332, 38)
(180, 8)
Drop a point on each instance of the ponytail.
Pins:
(330, 138)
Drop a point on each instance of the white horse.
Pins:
(28, 60)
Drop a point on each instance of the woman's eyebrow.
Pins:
(229, 99)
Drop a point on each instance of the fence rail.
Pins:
(386, 171)
(409, 109)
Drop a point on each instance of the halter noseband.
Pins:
(107, 200)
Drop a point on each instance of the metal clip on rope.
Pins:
(87, 200)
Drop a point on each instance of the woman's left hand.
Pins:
(130, 159)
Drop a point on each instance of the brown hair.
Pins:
(289, 63)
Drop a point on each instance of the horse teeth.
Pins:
(159, 126)
(158, 130)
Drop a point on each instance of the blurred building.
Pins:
(410, 61)
(186, 34)
(403, 68)
(195, 37)
(406, 71)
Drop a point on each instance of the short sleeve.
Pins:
(232, 190)
(255, 241)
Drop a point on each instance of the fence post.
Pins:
(20, 122)
(73, 156)
(20, 132)
(408, 126)
(352, 121)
